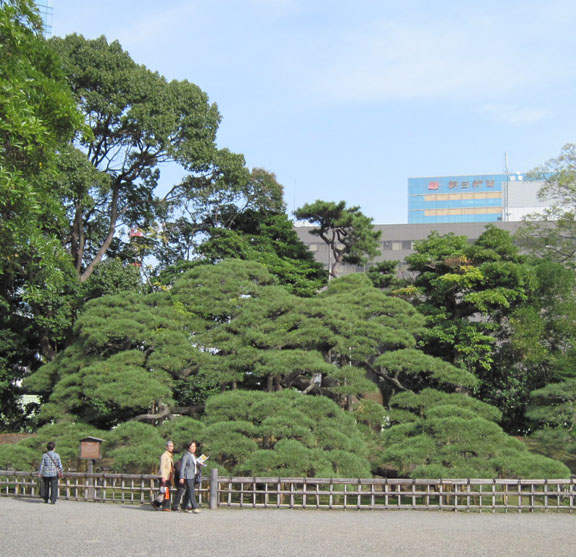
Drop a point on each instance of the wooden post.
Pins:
(90, 481)
(214, 489)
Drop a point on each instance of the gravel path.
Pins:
(28, 527)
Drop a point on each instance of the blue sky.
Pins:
(344, 100)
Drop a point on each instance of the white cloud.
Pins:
(282, 5)
(469, 57)
(517, 115)
(492, 53)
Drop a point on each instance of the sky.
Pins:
(345, 100)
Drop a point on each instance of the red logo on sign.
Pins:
(433, 185)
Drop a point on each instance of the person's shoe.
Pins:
(53, 502)
(167, 510)
(196, 511)
(155, 506)
(187, 510)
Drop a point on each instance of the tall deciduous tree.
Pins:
(199, 209)
(538, 344)
(468, 292)
(37, 115)
(139, 121)
(349, 234)
(551, 233)
(259, 232)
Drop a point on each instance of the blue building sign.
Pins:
(456, 198)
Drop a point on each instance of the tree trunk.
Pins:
(114, 215)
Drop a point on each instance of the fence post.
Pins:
(214, 489)
(90, 481)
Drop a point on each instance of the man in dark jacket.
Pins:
(181, 488)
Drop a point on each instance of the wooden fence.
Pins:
(498, 495)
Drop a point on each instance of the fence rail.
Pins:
(495, 495)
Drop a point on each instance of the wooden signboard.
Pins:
(90, 448)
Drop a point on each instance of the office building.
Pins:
(461, 205)
(397, 240)
(480, 198)
(45, 8)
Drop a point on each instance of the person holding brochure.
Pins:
(190, 468)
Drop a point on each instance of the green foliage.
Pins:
(112, 277)
(555, 442)
(232, 325)
(384, 276)
(110, 384)
(134, 447)
(430, 371)
(17, 457)
(453, 436)
(26, 454)
(380, 335)
(550, 233)
(218, 292)
(272, 241)
(284, 434)
(371, 415)
(94, 378)
(37, 115)
(470, 294)
(431, 400)
(554, 405)
(146, 340)
(538, 347)
(348, 233)
(181, 431)
(139, 121)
